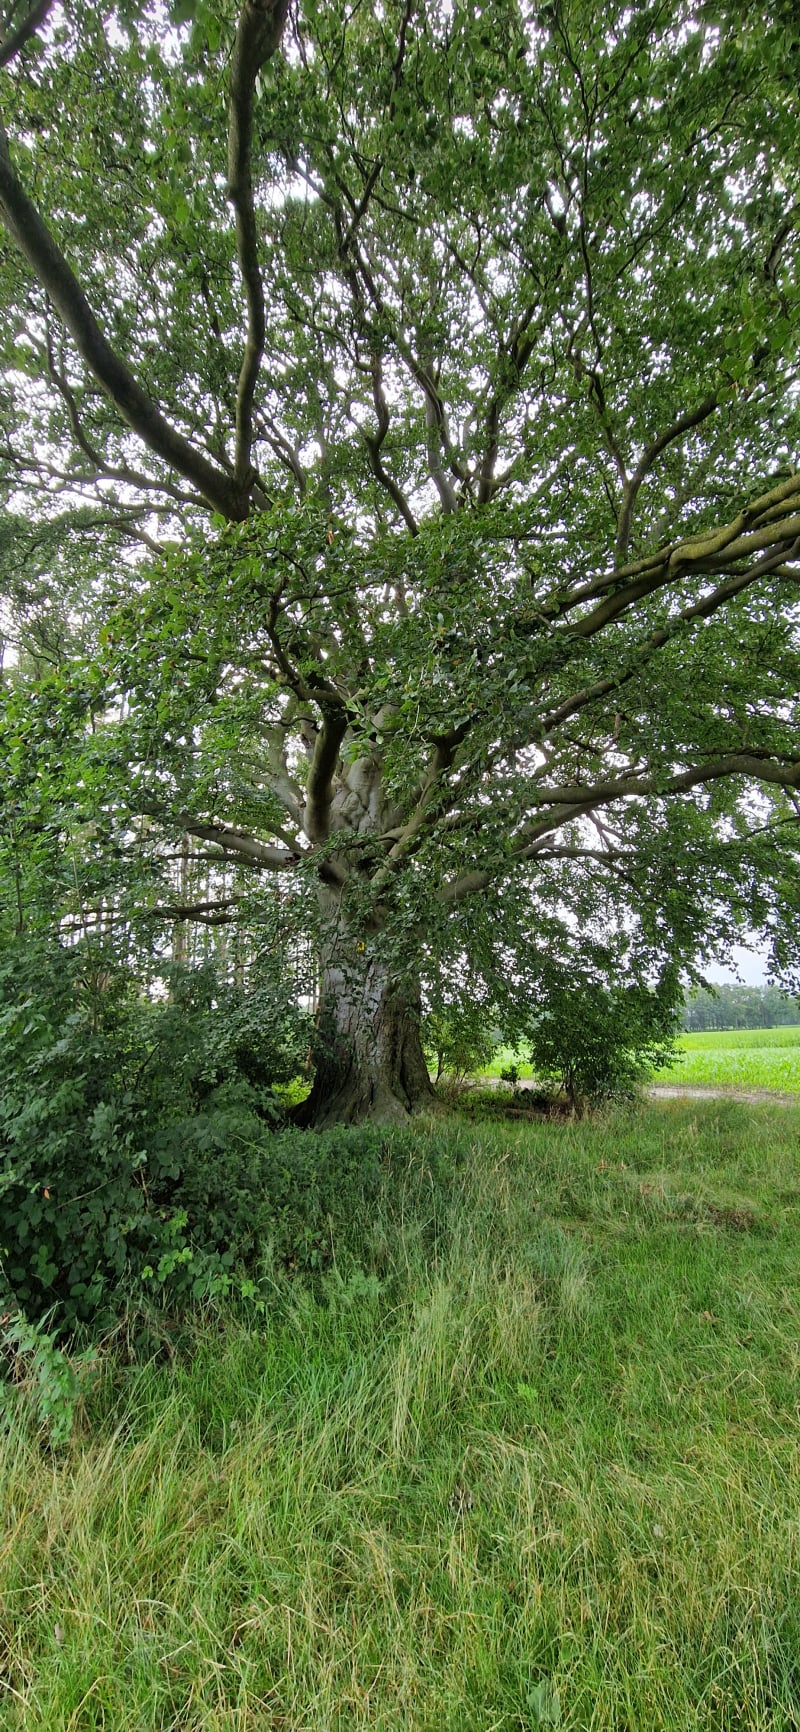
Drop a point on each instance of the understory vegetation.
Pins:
(523, 1453)
(142, 1149)
(399, 653)
(148, 1152)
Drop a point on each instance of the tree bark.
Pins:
(369, 1062)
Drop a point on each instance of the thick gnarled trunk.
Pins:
(369, 1059)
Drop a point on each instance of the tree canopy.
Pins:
(399, 426)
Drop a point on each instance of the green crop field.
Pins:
(531, 1460)
(746, 1058)
(743, 1058)
(747, 1038)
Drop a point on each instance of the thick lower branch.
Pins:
(50, 267)
(319, 794)
(242, 846)
(259, 32)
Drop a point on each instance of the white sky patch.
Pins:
(747, 967)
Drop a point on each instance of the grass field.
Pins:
(535, 1463)
(746, 1058)
(503, 1057)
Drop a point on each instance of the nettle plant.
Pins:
(405, 399)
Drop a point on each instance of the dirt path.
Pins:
(752, 1097)
(675, 1092)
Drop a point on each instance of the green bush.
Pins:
(600, 1043)
(142, 1159)
(458, 1036)
(130, 1131)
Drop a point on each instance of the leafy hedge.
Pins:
(133, 1135)
(144, 1158)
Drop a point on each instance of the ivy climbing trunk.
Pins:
(369, 1062)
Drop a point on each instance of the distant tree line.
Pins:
(740, 1007)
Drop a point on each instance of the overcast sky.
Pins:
(749, 968)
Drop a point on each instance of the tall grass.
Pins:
(533, 1460)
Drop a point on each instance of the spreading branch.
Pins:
(24, 31)
(221, 913)
(260, 28)
(771, 522)
(684, 424)
(238, 844)
(39, 248)
(576, 801)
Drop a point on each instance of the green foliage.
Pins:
(458, 1035)
(130, 1130)
(211, 1035)
(599, 1043)
(31, 1360)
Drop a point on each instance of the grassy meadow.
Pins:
(742, 1058)
(530, 1459)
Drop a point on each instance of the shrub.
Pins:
(142, 1160)
(597, 1042)
(129, 1131)
(459, 1037)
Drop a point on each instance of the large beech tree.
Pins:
(418, 385)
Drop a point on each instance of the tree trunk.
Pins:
(369, 1063)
